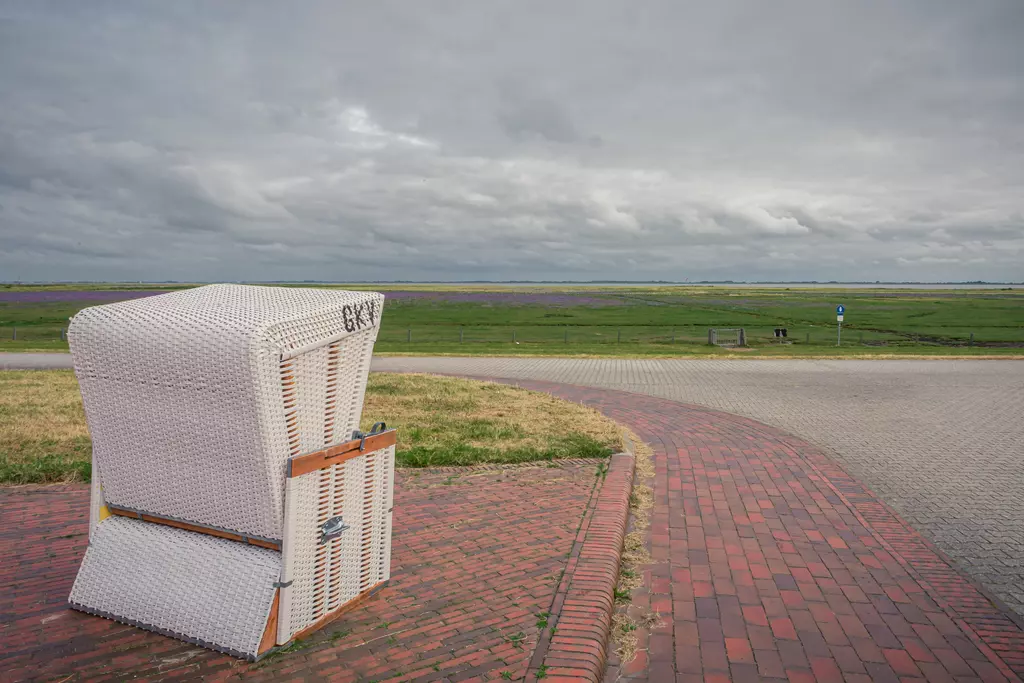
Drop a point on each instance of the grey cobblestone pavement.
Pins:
(942, 442)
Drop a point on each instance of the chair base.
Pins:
(209, 591)
(351, 604)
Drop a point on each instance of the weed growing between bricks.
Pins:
(628, 619)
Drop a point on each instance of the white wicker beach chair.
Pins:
(234, 503)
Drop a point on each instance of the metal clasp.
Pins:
(377, 428)
(331, 529)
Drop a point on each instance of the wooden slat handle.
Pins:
(318, 460)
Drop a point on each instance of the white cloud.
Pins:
(153, 141)
(369, 135)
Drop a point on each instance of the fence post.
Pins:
(63, 334)
(808, 338)
(14, 335)
(743, 337)
(971, 342)
(408, 336)
(711, 336)
(461, 330)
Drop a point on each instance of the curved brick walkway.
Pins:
(771, 563)
(941, 441)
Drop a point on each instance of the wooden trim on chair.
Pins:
(269, 639)
(209, 531)
(322, 459)
(331, 616)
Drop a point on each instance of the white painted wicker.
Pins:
(325, 576)
(196, 401)
(206, 590)
(185, 402)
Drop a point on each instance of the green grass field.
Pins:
(441, 422)
(624, 321)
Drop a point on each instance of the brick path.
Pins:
(771, 563)
(942, 442)
(477, 555)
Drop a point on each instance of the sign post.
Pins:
(840, 309)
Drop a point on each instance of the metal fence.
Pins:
(396, 336)
(551, 335)
(33, 333)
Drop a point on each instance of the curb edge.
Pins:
(584, 602)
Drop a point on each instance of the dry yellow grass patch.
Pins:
(445, 421)
(442, 421)
(43, 436)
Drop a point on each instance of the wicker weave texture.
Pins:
(196, 587)
(190, 406)
(327, 575)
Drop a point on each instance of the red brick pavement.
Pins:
(477, 556)
(771, 563)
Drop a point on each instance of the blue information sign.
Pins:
(840, 309)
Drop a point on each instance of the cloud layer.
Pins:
(516, 140)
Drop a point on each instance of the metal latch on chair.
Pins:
(331, 529)
(377, 428)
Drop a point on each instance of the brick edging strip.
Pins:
(581, 612)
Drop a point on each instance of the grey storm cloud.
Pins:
(512, 140)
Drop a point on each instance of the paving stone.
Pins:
(942, 442)
(746, 516)
(744, 493)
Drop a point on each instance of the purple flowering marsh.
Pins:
(488, 298)
(503, 298)
(62, 295)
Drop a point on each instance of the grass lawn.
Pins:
(621, 321)
(441, 421)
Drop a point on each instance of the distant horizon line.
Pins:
(512, 282)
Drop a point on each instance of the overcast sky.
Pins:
(512, 140)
